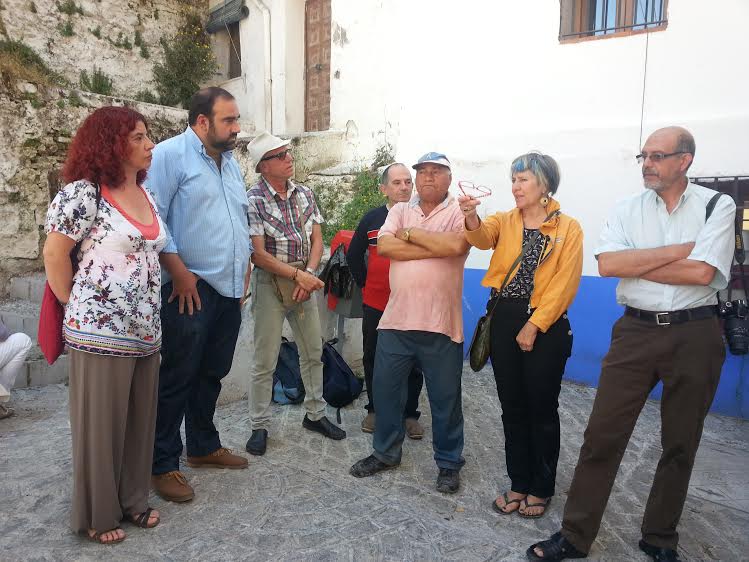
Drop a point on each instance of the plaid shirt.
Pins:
(279, 220)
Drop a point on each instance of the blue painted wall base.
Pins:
(592, 315)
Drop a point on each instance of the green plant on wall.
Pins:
(188, 62)
(96, 32)
(18, 61)
(69, 7)
(366, 196)
(66, 29)
(98, 82)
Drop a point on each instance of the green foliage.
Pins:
(122, 42)
(66, 29)
(147, 96)
(20, 61)
(61, 103)
(33, 99)
(75, 100)
(96, 32)
(367, 196)
(138, 42)
(188, 62)
(69, 7)
(32, 142)
(98, 82)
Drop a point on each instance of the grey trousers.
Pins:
(304, 320)
(112, 422)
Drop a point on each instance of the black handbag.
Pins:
(478, 351)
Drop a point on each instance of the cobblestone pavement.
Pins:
(298, 502)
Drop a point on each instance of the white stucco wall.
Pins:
(490, 81)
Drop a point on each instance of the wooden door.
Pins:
(317, 22)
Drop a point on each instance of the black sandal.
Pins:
(508, 501)
(545, 503)
(142, 519)
(555, 549)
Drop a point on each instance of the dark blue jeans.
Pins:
(442, 362)
(370, 320)
(196, 353)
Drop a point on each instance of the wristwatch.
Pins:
(308, 270)
(407, 235)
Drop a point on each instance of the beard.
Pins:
(653, 182)
(221, 144)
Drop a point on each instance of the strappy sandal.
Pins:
(142, 519)
(554, 549)
(508, 501)
(543, 504)
(98, 537)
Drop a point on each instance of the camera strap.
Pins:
(739, 254)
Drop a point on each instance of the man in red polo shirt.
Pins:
(371, 273)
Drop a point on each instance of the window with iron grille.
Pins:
(601, 18)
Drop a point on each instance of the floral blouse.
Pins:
(114, 307)
(521, 286)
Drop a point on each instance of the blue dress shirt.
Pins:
(642, 222)
(205, 211)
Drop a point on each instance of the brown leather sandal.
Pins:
(142, 519)
(98, 537)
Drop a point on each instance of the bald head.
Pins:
(680, 139)
(667, 155)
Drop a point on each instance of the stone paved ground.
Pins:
(299, 503)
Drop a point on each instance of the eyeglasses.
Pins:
(470, 189)
(657, 156)
(281, 155)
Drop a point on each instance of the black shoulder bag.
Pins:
(478, 351)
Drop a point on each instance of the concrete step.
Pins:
(21, 316)
(37, 372)
(28, 287)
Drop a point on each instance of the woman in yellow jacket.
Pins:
(530, 333)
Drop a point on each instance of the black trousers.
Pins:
(196, 353)
(369, 324)
(528, 385)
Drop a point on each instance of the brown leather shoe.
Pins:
(368, 423)
(414, 429)
(172, 486)
(220, 458)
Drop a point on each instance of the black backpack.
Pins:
(288, 387)
(340, 386)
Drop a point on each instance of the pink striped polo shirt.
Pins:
(425, 295)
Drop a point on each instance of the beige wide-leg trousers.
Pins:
(112, 422)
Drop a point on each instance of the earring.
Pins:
(544, 201)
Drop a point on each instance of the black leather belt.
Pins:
(673, 317)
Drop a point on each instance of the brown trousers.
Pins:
(112, 422)
(688, 359)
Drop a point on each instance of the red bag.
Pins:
(51, 317)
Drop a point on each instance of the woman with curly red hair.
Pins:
(105, 221)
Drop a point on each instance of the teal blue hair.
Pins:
(543, 166)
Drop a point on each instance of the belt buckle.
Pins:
(658, 319)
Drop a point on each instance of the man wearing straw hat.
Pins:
(285, 227)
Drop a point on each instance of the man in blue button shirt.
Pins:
(200, 193)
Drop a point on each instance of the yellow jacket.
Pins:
(560, 268)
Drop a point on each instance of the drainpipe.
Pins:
(268, 89)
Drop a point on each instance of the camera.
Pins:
(734, 314)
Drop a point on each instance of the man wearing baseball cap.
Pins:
(422, 323)
(285, 227)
